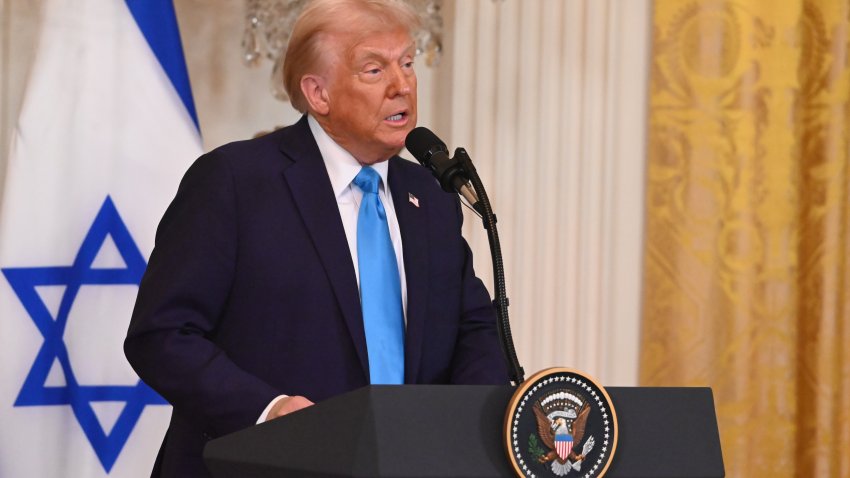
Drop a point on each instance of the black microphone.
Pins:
(432, 153)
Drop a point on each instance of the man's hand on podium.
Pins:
(287, 405)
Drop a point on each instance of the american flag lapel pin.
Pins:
(413, 199)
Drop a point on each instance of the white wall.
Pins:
(548, 96)
(18, 33)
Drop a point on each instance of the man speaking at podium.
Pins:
(312, 261)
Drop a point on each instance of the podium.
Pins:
(456, 431)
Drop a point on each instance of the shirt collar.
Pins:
(341, 165)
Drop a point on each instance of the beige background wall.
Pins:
(549, 98)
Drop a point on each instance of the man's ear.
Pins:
(315, 91)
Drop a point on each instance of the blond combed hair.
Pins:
(320, 18)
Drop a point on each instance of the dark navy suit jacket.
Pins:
(250, 293)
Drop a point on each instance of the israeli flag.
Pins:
(106, 131)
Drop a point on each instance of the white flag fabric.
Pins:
(106, 131)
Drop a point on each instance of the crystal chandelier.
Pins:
(268, 24)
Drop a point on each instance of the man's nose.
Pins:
(401, 82)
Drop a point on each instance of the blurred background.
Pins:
(670, 177)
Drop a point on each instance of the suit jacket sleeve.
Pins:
(478, 357)
(171, 340)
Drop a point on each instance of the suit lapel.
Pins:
(313, 194)
(413, 223)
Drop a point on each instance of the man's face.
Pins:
(371, 91)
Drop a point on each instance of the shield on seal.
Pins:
(563, 445)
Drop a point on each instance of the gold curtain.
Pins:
(746, 274)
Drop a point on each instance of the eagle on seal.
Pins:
(558, 436)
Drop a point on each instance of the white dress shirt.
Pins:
(342, 168)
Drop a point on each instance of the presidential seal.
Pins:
(560, 422)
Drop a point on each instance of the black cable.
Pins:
(501, 301)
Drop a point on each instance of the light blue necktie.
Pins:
(380, 286)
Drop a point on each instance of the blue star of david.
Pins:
(34, 391)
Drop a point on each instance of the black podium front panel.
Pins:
(456, 431)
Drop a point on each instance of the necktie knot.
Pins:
(367, 180)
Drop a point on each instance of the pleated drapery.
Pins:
(746, 277)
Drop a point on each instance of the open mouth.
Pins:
(397, 117)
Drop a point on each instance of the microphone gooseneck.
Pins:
(458, 175)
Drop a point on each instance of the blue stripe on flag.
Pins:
(158, 23)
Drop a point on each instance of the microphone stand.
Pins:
(501, 301)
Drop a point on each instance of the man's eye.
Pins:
(373, 71)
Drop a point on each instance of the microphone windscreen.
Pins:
(422, 144)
